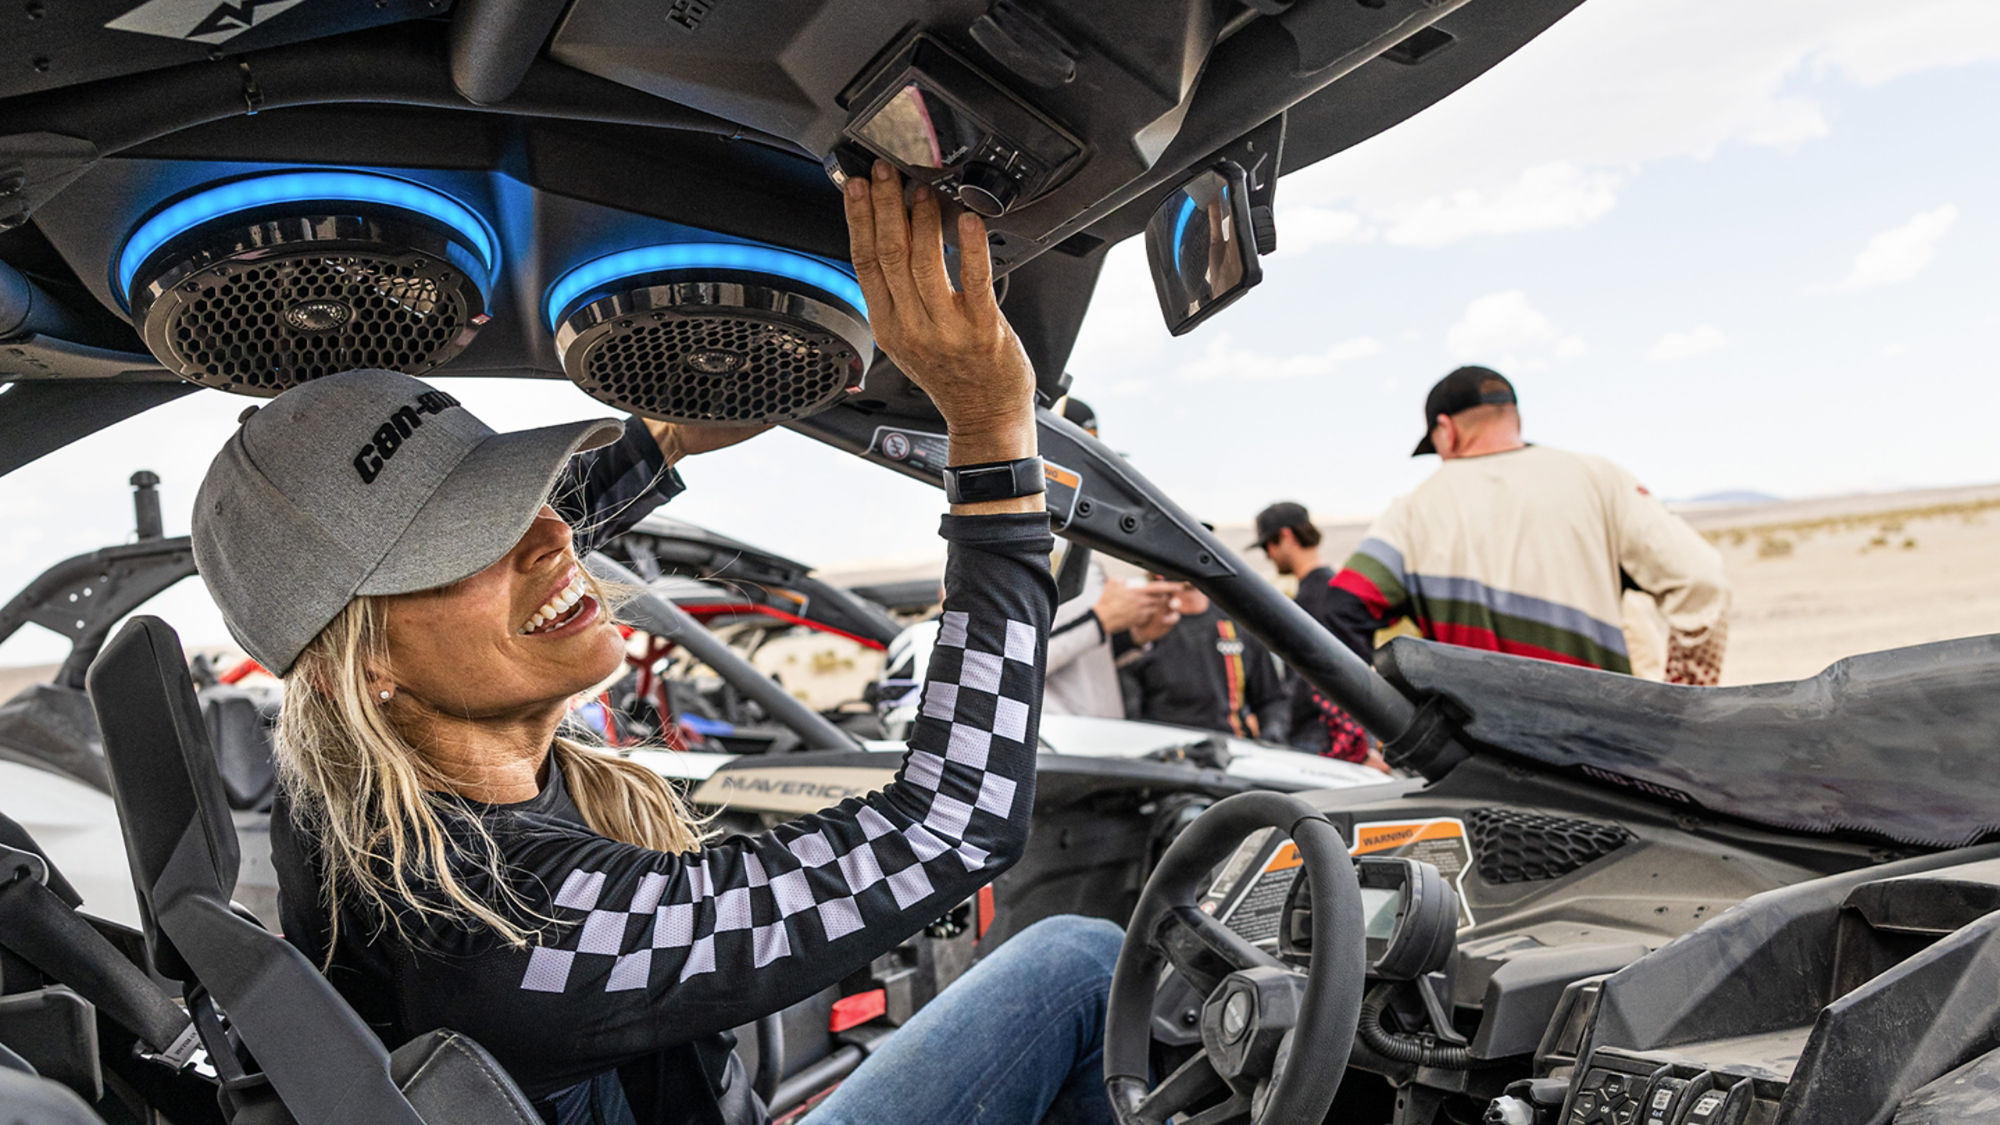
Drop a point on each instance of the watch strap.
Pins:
(994, 480)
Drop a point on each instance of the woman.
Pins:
(454, 862)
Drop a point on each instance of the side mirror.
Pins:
(1202, 246)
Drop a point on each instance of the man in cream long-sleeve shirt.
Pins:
(1528, 550)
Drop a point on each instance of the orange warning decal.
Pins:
(1284, 859)
(1440, 842)
(1381, 837)
(1056, 474)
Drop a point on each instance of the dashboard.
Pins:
(1833, 1000)
(1559, 964)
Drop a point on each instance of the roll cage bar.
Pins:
(83, 596)
(1112, 507)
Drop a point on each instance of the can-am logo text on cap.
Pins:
(390, 434)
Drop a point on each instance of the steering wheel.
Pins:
(1259, 1013)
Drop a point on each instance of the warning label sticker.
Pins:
(1254, 908)
(1284, 859)
(1442, 843)
(1064, 485)
(915, 448)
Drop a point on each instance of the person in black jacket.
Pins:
(1202, 670)
(453, 859)
(1287, 536)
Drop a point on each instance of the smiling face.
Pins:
(520, 637)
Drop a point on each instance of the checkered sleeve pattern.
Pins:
(677, 946)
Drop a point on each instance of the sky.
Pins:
(1731, 246)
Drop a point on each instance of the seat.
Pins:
(59, 971)
(29, 1099)
(239, 727)
(292, 1049)
(1896, 744)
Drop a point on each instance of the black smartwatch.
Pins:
(994, 480)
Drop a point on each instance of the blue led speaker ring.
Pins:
(262, 284)
(284, 188)
(679, 256)
(1181, 222)
(710, 332)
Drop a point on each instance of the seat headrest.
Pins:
(178, 833)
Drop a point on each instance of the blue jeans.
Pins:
(1018, 1040)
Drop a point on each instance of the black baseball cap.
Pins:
(1279, 516)
(1463, 389)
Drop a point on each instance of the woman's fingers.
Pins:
(861, 245)
(975, 270)
(892, 241)
(956, 347)
(927, 254)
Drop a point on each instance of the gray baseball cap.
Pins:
(368, 482)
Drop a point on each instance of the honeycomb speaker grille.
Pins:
(1524, 847)
(259, 310)
(715, 351)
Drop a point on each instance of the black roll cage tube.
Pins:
(1118, 511)
(662, 618)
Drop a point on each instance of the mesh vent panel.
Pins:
(737, 366)
(261, 327)
(1524, 847)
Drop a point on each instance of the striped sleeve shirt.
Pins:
(1529, 552)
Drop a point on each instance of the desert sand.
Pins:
(1818, 580)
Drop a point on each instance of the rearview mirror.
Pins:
(1202, 247)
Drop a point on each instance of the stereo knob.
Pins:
(987, 189)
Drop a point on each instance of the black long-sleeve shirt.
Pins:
(1208, 673)
(1318, 725)
(653, 956)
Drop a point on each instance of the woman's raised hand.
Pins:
(955, 344)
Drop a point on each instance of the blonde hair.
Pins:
(375, 804)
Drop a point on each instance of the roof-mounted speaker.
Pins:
(708, 332)
(261, 284)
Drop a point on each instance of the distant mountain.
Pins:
(1735, 496)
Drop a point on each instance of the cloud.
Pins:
(1504, 330)
(1698, 340)
(1900, 253)
(1890, 41)
(1304, 228)
(1124, 330)
(1549, 137)
(1547, 197)
(1223, 360)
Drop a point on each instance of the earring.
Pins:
(385, 695)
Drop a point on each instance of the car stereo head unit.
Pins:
(931, 114)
